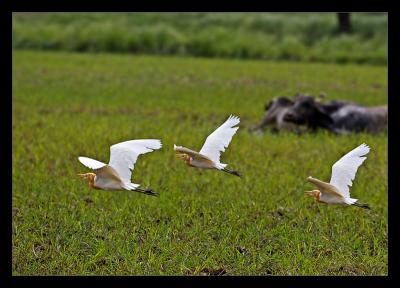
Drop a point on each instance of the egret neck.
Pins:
(90, 177)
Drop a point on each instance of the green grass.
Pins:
(66, 105)
(271, 36)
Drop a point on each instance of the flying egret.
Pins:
(116, 175)
(343, 172)
(216, 142)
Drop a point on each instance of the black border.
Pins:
(6, 145)
(182, 6)
(201, 6)
(393, 143)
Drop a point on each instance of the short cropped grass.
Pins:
(204, 222)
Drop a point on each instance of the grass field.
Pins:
(204, 222)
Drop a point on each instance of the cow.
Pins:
(274, 116)
(337, 116)
(356, 118)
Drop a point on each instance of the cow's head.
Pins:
(274, 108)
(306, 110)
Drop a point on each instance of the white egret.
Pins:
(116, 175)
(343, 172)
(209, 155)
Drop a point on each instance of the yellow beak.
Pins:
(309, 193)
(181, 155)
(81, 175)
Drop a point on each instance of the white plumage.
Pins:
(209, 155)
(217, 141)
(345, 169)
(124, 155)
(117, 173)
(343, 173)
(91, 163)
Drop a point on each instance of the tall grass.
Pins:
(272, 36)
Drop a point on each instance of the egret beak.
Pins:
(181, 155)
(309, 193)
(83, 176)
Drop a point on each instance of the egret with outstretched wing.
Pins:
(343, 173)
(116, 175)
(209, 155)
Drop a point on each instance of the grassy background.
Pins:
(66, 105)
(272, 36)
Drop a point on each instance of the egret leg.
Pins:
(233, 172)
(146, 191)
(365, 206)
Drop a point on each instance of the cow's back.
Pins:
(355, 118)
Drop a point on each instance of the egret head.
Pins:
(88, 176)
(180, 153)
(314, 193)
(185, 157)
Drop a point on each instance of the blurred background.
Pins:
(322, 37)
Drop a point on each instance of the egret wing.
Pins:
(345, 169)
(123, 155)
(191, 153)
(217, 141)
(107, 177)
(91, 163)
(329, 197)
(107, 172)
(326, 187)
